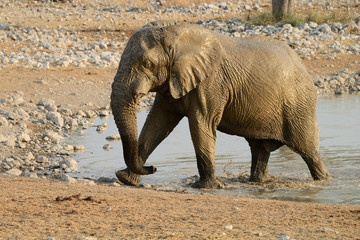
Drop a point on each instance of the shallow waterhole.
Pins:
(338, 119)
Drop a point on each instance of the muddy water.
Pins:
(338, 119)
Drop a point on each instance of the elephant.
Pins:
(253, 89)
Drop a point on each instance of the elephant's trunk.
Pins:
(125, 109)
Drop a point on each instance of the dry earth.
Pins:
(42, 208)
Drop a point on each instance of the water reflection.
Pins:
(338, 119)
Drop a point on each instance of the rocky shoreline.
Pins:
(32, 133)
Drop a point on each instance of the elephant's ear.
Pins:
(195, 58)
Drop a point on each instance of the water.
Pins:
(338, 118)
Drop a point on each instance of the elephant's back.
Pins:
(271, 84)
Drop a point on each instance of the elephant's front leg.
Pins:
(204, 137)
(158, 125)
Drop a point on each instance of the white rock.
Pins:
(52, 136)
(3, 122)
(17, 99)
(33, 175)
(68, 147)
(87, 182)
(90, 114)
(11, 141)
(14, 172)
(29, 156)
(73, 125)
(68, 179)
(229, 227)
(65, 112)
(69, 165)
(102, 127)
(23, 137)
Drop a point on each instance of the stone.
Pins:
(69, 165)
(65, 111)
(229, 227)
(46, 101)
(104, 113)
(17, 100)
(68, 179)
(14, 172)
(52, 136)
(79, 148)
(33, 175)
(42, 159)
(102, 127)
(73, 125)
(3, 122)
(68, 147)
(55, 118)
(107, 147)
(23, 137)
(29, 156)
(284, 237)
(87, 182)
(90, 114)
(115, 137)
(50, 107)
(10, 141)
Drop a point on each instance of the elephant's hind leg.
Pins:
(307, 146)
(316, 166)
(260, 153)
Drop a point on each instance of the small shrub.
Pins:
(267, 18)
(333, 17)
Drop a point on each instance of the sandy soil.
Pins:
(42, 209)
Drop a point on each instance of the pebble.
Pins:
(115, 137)
(68, 179)
(284, 237)
(14, 172)
(107, 147)
(69, 165)
(102, 128)
(229, 227)
(79, 148)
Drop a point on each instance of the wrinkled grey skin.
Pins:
(253, 89)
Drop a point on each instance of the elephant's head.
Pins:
(172, 60)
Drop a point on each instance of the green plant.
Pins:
(267, 18)
(333, 17)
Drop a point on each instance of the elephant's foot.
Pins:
(322, 176)
(208, 184)
(128, 178)
(259, 178)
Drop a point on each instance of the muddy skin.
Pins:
(205, 88)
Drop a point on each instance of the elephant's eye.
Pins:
(146, 64)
